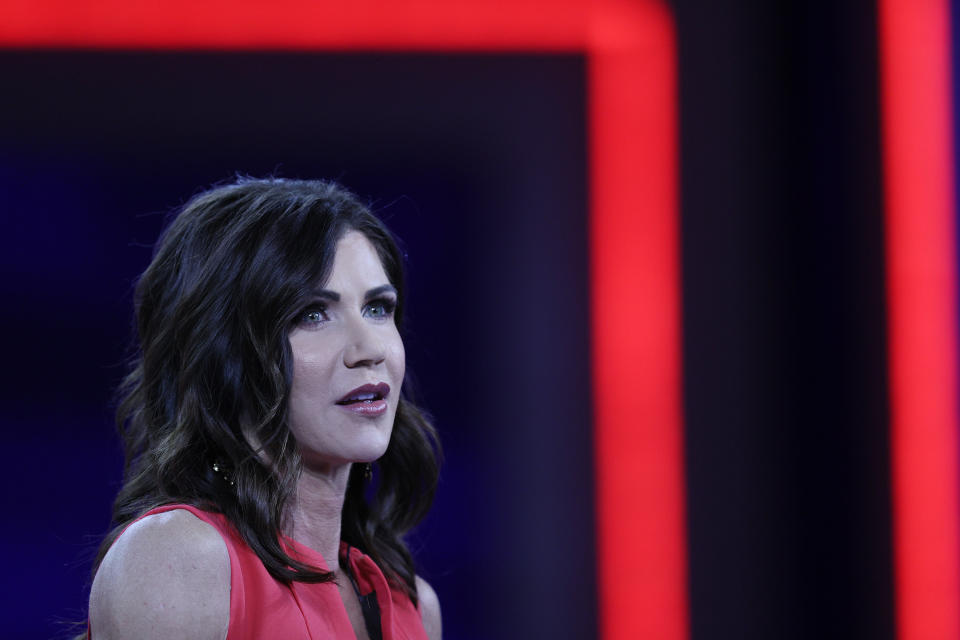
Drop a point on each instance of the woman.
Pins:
(267, 382)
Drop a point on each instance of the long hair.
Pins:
(213, 311)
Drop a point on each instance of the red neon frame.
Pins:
(635, 285)
(921, 290)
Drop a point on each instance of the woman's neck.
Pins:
(316, 511)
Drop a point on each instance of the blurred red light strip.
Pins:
(637, 329)
(922, 298)
(377, 25)
(635, 281)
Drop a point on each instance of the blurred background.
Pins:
(478, 162)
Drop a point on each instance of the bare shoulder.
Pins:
(429, 609)
(167, 576)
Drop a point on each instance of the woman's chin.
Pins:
(372, 455)
(362, 453)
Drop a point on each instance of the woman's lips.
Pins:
(366, 400)
(370, 408)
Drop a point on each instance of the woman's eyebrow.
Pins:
(332, 296)
(384, 288)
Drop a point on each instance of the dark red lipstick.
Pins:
(366, 400)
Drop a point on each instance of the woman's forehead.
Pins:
(356, 262)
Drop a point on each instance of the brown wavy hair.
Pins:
(213, 311)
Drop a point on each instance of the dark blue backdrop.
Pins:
(476, 162)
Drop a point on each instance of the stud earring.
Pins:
(223, 473)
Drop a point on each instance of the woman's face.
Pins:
(348, 362)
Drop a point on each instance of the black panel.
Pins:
(787, 425)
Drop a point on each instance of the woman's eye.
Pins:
(313, 316)
(379, 309)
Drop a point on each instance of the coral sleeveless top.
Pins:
(262, 607)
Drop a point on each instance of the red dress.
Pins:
(262, 607)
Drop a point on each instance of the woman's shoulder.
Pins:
(167, 573)
(429, 609)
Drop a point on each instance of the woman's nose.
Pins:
(364, 348)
